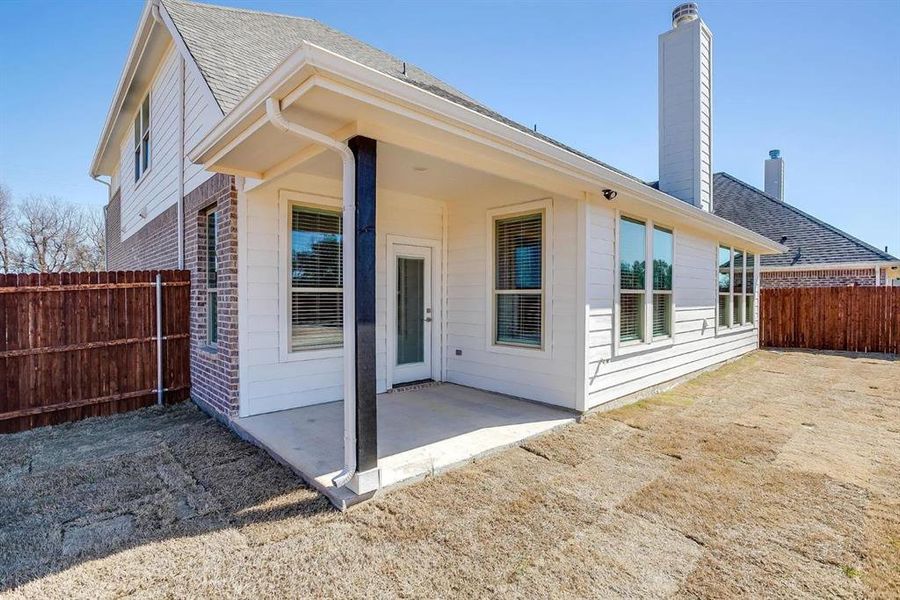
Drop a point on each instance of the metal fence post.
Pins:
(159, 341)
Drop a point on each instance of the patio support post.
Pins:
(364, 151)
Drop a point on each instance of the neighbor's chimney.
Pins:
(775, 175)
(685, 108)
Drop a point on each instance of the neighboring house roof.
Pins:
(812, 242)
(235, 49)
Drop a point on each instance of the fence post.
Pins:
(159, 341)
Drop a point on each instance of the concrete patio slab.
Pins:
(421, 432)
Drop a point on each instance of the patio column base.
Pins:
(365, 482)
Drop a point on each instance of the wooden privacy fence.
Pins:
(78, 345)
(855, 319)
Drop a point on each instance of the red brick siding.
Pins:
(818, 278)
(153, 246)
(214, 372)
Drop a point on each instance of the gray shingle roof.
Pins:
(235, 49)
(811, 241)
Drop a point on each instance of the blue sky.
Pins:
(816, 79)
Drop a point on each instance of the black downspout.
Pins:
(364, 150)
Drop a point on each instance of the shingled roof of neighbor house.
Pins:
(812, 242)
(236, 49)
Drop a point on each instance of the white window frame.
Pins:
(137, 152)
(649, 342)
(743, 325)
(544, 206)
(287, 199)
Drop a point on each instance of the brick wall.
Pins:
(154, 246)
(818, 278)
(214, 371)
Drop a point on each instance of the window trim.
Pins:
(649, 342)
(544, 206)
(744, 325)
(139, 148)
(287, 199)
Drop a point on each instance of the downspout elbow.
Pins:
(277, 119)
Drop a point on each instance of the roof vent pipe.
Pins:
(684, 13)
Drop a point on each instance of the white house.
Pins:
(355, 224)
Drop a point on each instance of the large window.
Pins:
(632, 267)
(736, 287)
(662, 282)
(519, 280)
(645, 303)
(142, 139)
(212, 279)
(317, 295)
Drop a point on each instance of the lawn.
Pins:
(777, 475)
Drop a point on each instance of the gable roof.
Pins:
(235, 49)
(812, 242)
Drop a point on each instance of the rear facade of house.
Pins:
(517, 266)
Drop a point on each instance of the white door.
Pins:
(413, 314)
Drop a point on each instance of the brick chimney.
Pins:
(685, 108)
(775, 175)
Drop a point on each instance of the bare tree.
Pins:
(7, 231)
(92, 256)
(51, 234)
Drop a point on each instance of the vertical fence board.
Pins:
(854, 319)
(77, 345)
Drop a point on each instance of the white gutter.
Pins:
(845, 266)
(276, 118)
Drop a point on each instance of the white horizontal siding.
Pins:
(551, 380)
(696, 343)
(200, 115)
(158, 188)
(267, 383)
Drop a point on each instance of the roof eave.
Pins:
(592, 175)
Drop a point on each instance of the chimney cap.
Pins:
(685, 12)
(773, 154)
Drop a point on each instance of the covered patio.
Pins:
(422, 430)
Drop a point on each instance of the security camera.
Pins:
(610, 194)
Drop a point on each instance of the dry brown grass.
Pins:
(775, 476)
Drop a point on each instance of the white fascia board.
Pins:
(860, 266)
(141, 37)
(476, 126)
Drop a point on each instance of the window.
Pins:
(212, 279)
(749, 311)
(724, 262)
(632, 265)
(645, 303)
(662, 282)
(736, 287)
(142, 139)
(519, 280)
(317, 294)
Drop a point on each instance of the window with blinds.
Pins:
(736, 287)
(142, 139)
(212, 279)
(519, 280)
(662, 282)
(750, 287)
(632, 268)
(317, 301)
(724, 283)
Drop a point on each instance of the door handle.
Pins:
(428, 319)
